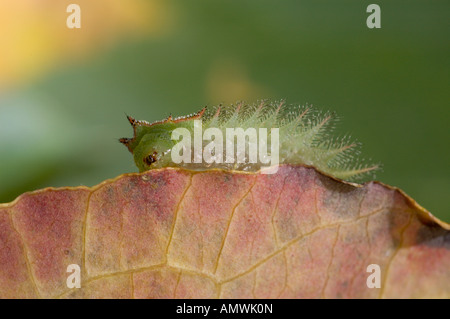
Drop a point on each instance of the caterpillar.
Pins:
(303, 137)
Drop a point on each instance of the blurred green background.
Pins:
(64, 93)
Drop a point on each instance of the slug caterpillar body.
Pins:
(302, 137)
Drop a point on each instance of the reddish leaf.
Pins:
(175, 233)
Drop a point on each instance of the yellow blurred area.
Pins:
(228, 81)
(34, 37)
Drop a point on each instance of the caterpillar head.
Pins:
(152, 142)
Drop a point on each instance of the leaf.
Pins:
(176, 233)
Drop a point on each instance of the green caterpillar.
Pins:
(303, 138)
